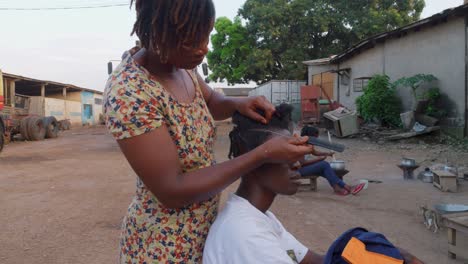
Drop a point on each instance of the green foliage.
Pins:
(380, 102)
(415, 82)
(433, 96)
(276, 36)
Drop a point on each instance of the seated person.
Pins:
(245, 231)
(322, 168)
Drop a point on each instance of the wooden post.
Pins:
(452, 240)
(12, 92)
(64, 92)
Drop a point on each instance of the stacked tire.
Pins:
(38, 128)
(64, 125)
(52, 127)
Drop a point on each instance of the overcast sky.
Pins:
(74, 46)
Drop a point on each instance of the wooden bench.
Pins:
(457, 226)
(313, 179)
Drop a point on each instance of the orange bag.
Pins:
(355, 253)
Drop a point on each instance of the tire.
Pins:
(36, 129)
(24, 128)
(51, 126)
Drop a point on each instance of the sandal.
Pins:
(343, 192)
(358, 188)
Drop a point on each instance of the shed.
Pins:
(435, 45)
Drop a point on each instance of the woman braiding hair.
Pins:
(162, 114)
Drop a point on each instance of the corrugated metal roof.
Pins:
(322, 61)
(399, 32)
(19, 77)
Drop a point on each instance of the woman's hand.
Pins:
(409, 258)
(249, 106)
(285, 149)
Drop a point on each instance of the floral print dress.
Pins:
(135, 104)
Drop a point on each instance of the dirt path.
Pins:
(62, 200)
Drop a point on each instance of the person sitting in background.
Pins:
(246, 231)
(322, 168)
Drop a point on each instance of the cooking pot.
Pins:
(426, 176)
(338, 165)
(408, 162)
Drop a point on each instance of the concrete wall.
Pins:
(55, 107)
(73, 112)
(58, 108)
(97, 108)
(438, 50)
(366, 64)
(71, 96)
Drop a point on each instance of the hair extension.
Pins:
(246, 136)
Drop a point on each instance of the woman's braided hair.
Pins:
(162, 25)
(248, 134)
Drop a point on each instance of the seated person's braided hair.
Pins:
(309, 131)
(246, 136)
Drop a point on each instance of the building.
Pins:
(46, 98)
(436, 45)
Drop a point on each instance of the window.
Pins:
(344, 79)
(360, 84)
(97, 101)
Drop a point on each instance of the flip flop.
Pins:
(358, 188)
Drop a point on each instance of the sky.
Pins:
(74, 46)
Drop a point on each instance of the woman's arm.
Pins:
(154, 158)
(223, 107)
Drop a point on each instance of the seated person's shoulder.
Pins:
(244, 236)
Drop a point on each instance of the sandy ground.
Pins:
(62, 200)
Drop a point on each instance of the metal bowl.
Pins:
(426, 176)
(408, 162)
(451, 208)
(338, 165)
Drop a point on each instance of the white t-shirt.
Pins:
(243, 234)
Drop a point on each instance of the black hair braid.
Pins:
(244, 136)
(310, 131)
(162, 25)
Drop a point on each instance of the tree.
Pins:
(271, 38)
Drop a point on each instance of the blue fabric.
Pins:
(322, 168)
(374, 242)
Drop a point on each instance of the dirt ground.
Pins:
(62, 200)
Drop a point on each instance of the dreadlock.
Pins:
(165, 24)
(246, 136)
